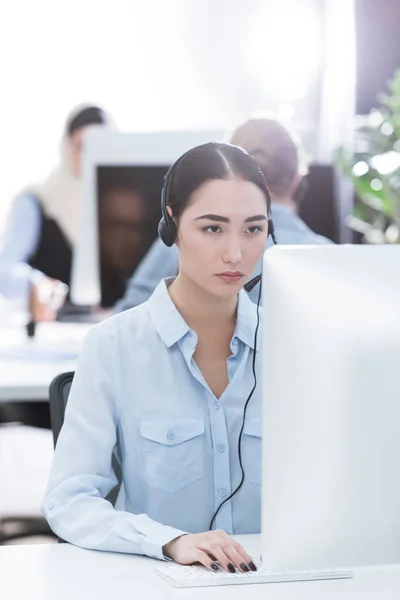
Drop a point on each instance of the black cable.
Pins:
(244, 412)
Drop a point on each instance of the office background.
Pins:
(182, 64)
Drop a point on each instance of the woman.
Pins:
(281, 161)
(37, 253)
(165, 384)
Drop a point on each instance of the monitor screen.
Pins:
(128, 209)
(123, 175)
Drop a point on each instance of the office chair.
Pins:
(58, 394)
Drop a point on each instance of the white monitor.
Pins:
(331, 406)
(134, 159)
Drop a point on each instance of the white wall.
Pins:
(154, 64)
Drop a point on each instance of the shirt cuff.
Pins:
(162, 534)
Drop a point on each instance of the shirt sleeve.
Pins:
(82, 474)
(21, 240)
(159, 262)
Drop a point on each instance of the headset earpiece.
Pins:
(167, 231)
(166, 227)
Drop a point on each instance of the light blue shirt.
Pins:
(161, 261)
(20, 242)
(138, 389)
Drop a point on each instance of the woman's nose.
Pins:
(232, 252)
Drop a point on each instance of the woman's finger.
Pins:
(247, 558)
(207, 561)
(235, 557)
(226, 541)
(221, 557)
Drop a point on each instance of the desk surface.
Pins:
(63, 572)
(27, 366)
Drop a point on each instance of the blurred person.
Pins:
(280, 158)
(123, 224)
(37, 251)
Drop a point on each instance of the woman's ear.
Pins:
(171, 215)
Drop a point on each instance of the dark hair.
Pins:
(214, 160)
(90, 115)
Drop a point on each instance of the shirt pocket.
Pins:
(172, 451)
(252, 450)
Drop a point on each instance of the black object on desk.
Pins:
(71, 313)
(31, 328)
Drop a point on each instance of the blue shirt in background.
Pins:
(20, 242)
(161, 261)
(138, 389)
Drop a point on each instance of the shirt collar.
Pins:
(171, 326)
(168, 321)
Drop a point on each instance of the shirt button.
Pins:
(235, 342)
(223, 492)
(171, 435)
(221, 448)
(50, 506)
(217, 405)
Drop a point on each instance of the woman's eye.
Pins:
(212, 228)
(253, 230)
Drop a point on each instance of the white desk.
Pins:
(62, 572)
(27, 366)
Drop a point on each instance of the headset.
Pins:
(167, 231)
(167, 228)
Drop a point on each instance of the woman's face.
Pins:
(222, 234)
(75, 143)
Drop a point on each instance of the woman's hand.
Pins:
(210, 548)
(45, 298)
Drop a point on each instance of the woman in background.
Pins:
(37, 251)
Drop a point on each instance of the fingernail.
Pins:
(244, 567)
(231, 568)
(214, 566)
(252, 566)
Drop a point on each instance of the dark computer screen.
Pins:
(128, 214)
(129, 211)
(318, 207)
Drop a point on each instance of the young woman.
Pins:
(37, 253)
(165, 385)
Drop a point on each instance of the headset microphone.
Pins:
(253, 282)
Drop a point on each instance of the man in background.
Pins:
(280, 160)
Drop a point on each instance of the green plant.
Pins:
(374, 169)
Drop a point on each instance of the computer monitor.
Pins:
(123, 174)
(331, 407)
(318, 205)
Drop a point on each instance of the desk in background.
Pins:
(27, 366)
(63, 572)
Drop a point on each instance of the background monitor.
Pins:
(123, 174)
(331, 410)
(318, 206)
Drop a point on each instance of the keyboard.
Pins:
(199, 576)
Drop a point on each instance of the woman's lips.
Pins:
(230, 276)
